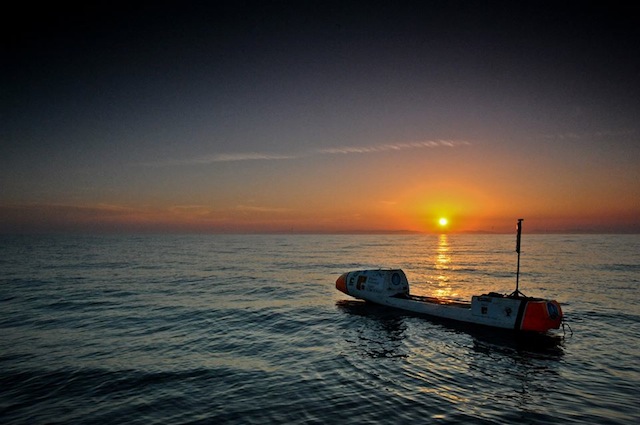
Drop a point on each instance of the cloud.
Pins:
(587, 135)
(260, 209)
(223, 157)
(193, 210)
(250, 156)
(343, 150)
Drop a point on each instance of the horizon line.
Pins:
(354, 232)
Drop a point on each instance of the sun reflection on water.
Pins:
(443, 259)
(442, 268)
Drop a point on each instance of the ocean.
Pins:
(249, 329)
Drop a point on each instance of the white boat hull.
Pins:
(391, 288)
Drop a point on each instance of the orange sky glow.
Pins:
(282, 119)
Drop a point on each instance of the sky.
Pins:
(320, 116)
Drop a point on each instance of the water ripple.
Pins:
(250, 330)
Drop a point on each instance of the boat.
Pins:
(516, 311)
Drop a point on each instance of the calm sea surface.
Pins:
(250, 329)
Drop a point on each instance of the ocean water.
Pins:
(245, 329)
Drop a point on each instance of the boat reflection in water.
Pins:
(381, 331)
(446, 366)
(378, 332)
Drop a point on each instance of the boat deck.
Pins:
(441, 301)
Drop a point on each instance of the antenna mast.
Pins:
(517, 292)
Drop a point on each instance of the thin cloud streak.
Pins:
(596, 134)
(393, 147)
(224, 157)
(260, 209)
(344, 150)
(251, 156)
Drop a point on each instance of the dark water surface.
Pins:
(250, 329)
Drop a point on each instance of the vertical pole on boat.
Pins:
(519, 228)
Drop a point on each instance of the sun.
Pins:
(443, 221)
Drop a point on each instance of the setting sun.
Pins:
(443, 221)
